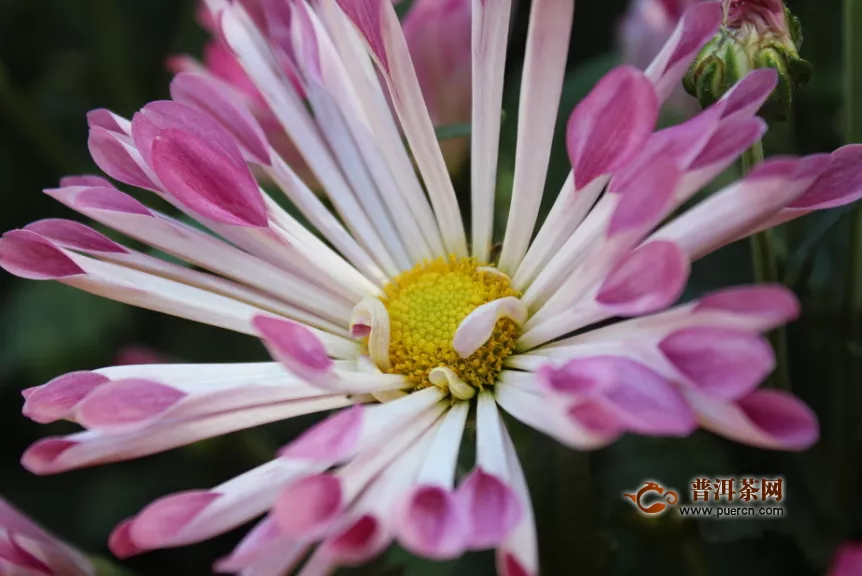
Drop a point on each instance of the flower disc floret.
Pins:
(428, 303)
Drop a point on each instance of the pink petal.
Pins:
(748, 95)
(698, 25)
(157, 117)
(770, 419)
(295, 346)
(126, 402)
(649, 279)
(492, 507)
(21, 559)
(85, 180)
(54, 400)
(29, 255)
(645, 198)
(783, 417)
(100, 198)
(306, 509)
(120, 541)
(721, 362)
(75, 236)
(366, 16)
(40, 456)
(611, 124)
(729, 142)
(358, 542)
(598, 417)
(204, 179)
(624, 394)
(840, 185)
(113, 156)
(330, 440)
(775, 304)
(432, 523)
(205, 93)
(582, 377)
(157, 524)
(104, 118)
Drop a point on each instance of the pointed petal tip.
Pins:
(125, 402)
(294, 345)
(55, 399)
(307, 508)
(29, 255)
(158, 525)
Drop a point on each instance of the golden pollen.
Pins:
(427, 304)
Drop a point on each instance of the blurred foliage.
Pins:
(59, 59)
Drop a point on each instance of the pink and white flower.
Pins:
(28, 550)
(391, 318)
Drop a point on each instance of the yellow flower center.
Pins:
(427, 304)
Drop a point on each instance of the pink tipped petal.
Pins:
(774, 305)
(204, 179)
(367, 16)
(840, 185)
(126, 402)
(721, 362)
(114, 155)
(358, 542)
(104, 118)
(295, 346)
(330, 440)
(479, 325)
(597, 417)
(209, 95)
(748, 95)
(75, 236)
(120, 541)
(306, 509)
(582, 377)
(29, 255)
(644, 199)
(102, 198)
(611, 124)
(492, 507)
(649, 279)
(622, 394)
(42, 454)
(433, 524)
(161, 521)
(698, 25)
(54, 400)
(730, 141)
(847, 560)
(85, 180)
(770, 419)
(685, 141)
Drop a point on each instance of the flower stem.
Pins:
(765, 263)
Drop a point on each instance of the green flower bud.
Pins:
(753, 34)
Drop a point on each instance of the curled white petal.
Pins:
(479, 324)
(446, 378)
(371, 319)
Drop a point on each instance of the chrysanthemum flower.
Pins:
(28, 550)
(391, 317)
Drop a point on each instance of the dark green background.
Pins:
(59, 59)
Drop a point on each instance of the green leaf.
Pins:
(105, 567)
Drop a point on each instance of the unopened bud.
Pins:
(753, 34)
